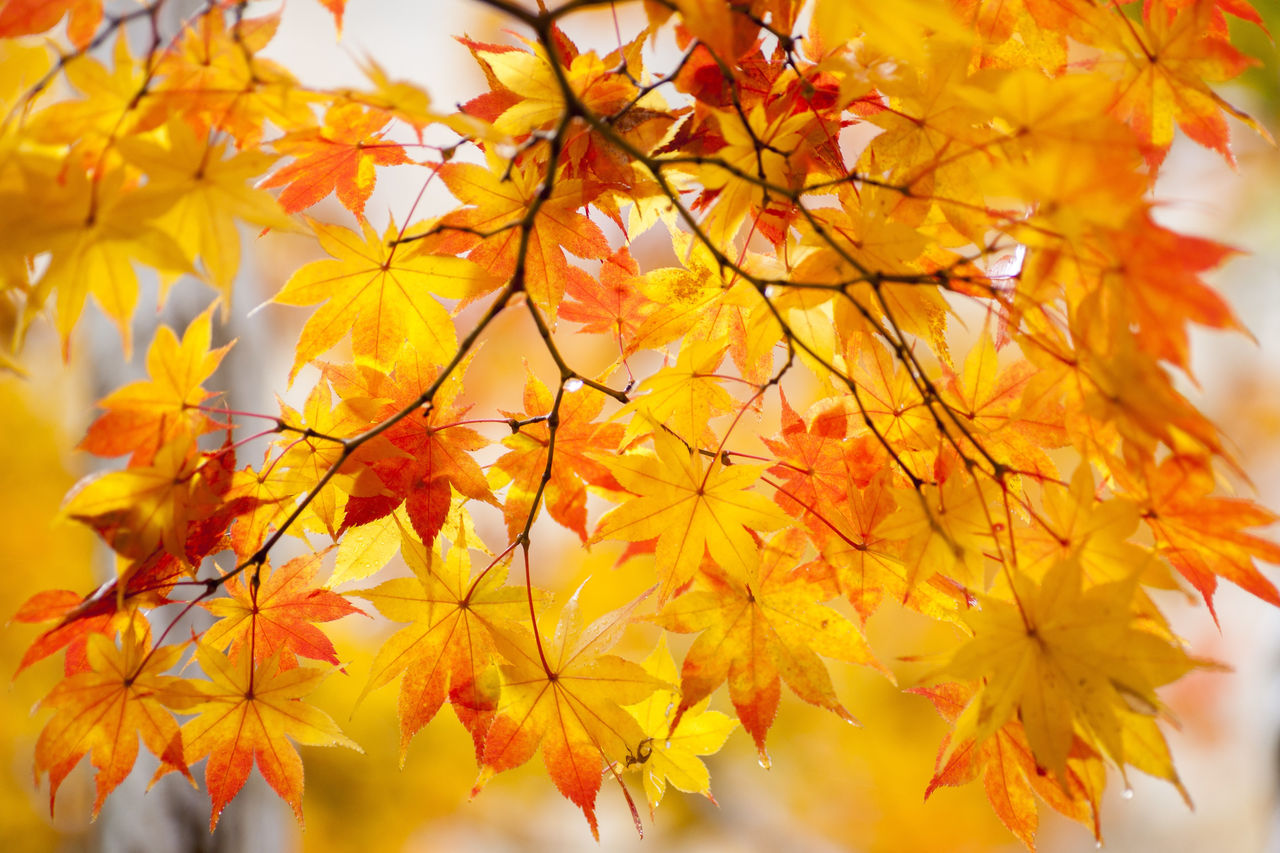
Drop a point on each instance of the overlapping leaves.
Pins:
(1032, 486)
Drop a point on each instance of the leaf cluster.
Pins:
(913, 345)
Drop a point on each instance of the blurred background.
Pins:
(831, 787)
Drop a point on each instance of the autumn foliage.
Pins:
(909, 340)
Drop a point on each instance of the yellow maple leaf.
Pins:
(668, 756)
(690, 510)
(382, 296)
(209, 192)
(94, 230)
(1068, 661)
(682, 397)
(143, 416)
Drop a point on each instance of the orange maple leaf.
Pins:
(276, 614)
(249, 712)
(123, 695)
(565, 696)
(610, 304)
(498, 200)
(573, 467)
(448, 651)
(143, 416)
(214, 79)
(107, 610)
(756, 633)
(338, 156)
(1205, 537)
(28, 17)
(439, 451)
(1010, 775)
(1168, 66)
(1158, 288)
(817, 463)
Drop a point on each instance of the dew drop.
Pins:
(1097, 845)
(770, 291)
(764, 760)
(573, 384)
(1127, 793)
(667, 744)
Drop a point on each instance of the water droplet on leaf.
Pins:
(574, 384)
(1127, 793)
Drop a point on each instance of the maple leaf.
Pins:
(111, 608)
(214, 78)
(1010, 776)
(306, 461)
(141, 508)
(578, 442)
(366, 549)
(836, 200)
(275, 614)
(404, 100)
(102, 711)
(857, 560)
(94, 230)
(758, 631)
(105, 110)
(671, 756)
(1012, 428)
(756, 144)
(892, 401)
(701, 305)
(609, 304)
(690, 510)
(683, 397)
(438, 450)
(338, 156)
(75, 623)
(564, 696)
(448, 651)
(27, 17)
(539, 100)
(1075, 524)
(1205, 537)
(1065, 660)
(945, 529)
(1168, 65)
(250, 712)
(1160, 286)
(381, 294)
(498, 201)
(209, 193)
(818, 463)
(143, 416)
